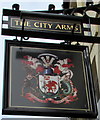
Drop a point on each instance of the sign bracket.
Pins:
(51, 16)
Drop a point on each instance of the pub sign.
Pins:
(48, 80)
(39, 24)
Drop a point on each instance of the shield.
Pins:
(49, 85)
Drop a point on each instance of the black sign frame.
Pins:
(14, 103)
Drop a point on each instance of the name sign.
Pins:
(44, 25)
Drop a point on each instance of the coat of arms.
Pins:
(48, 79)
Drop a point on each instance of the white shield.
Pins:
(49, 84)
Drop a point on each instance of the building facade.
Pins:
(94, 50)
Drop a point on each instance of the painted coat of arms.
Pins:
(48, 79)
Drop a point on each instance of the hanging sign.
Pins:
(48, 80)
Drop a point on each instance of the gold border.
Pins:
(89, 104)
(43, 29)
